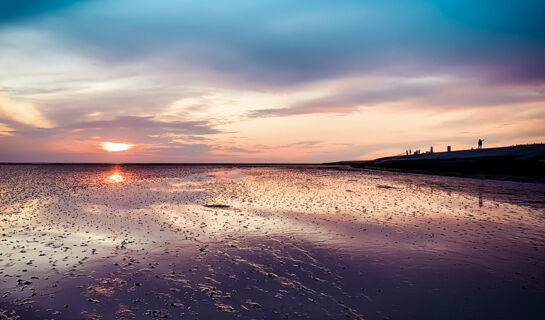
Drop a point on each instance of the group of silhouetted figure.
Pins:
(417, 152)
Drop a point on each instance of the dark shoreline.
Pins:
(458, 174)
(524, 163)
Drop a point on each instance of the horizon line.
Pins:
(162, 163)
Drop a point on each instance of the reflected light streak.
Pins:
(116, 177)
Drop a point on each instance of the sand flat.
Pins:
(137, 242)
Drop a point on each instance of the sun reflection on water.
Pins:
(116, 178)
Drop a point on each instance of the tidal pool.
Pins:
(284, 242)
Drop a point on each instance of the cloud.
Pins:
(134, 128)
(287, 42)
(81, 141)
(413, 93)
(240, 150)
(167, 74)
(147, 123)
(5, 130)
(14, 110)
(346, 101)
(68, 108)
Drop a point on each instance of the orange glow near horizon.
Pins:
(116, 147)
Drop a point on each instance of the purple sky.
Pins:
(265, 81)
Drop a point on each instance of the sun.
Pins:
(115, 147)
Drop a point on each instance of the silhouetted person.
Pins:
(480, 143)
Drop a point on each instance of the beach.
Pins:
(267, 242)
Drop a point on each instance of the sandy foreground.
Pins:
(218, 242)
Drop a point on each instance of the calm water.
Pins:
(148, 242)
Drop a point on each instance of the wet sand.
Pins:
(219, 242)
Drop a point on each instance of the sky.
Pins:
(266, 81)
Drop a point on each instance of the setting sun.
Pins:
(115, 147)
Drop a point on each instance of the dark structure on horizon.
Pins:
(521, 160)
